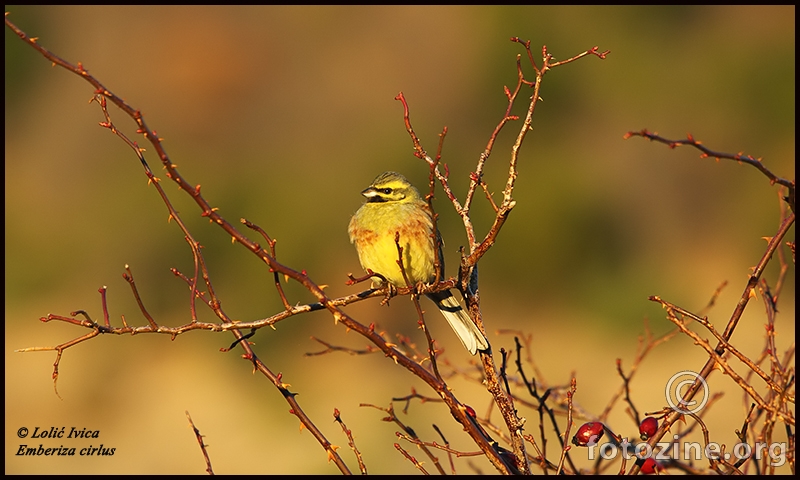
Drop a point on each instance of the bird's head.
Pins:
(391, 187)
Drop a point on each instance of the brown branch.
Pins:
(477, 177)
(503, 400)
(739, 157)
(565, 447)
(781, 257)
(447, 445)
(626, 384)
(337, 417)
(645, 345)
(209, 297)
(416, 441)
(438, 268)
(727, 346)
(467, 272)
(271, 244)
(542, 407)
(415, 300)
(202, 444)
(504, 209)
(407, 399)
(411, 458)
(409, 432)
(129, 278)
(774, 243)
(332, 348)
(59, 349)
(716, 354)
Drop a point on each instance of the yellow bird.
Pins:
(394, 207)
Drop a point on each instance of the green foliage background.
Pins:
(283, 114)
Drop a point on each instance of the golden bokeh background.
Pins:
(283, 114)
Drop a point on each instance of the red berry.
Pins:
(650, 466)
(588, 434)
(648, 428)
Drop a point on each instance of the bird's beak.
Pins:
(369, 192)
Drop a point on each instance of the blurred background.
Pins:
(283, 115)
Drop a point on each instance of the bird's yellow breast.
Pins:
(373, 229)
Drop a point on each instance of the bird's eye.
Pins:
(385, 191)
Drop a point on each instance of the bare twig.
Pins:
(739, 157)
(201, 443)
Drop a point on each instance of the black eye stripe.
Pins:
(385, 191)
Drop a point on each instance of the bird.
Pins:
(395, 209)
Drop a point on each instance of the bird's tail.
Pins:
(466, 330)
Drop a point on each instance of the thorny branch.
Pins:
(200, 286)
(466, 281)
(739, 157)
(201, 443)
(777, 412)
(468, 270)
